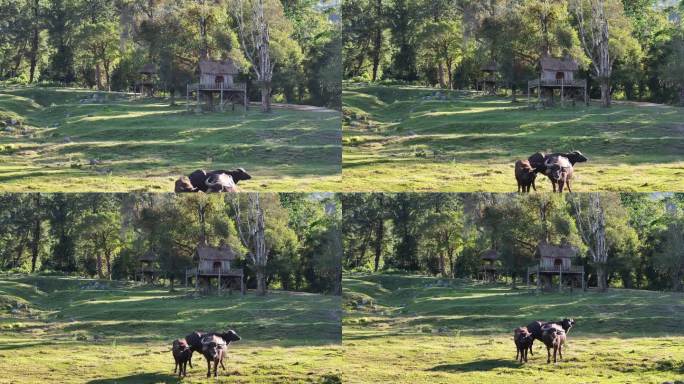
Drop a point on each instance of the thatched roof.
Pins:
(553, 64)
(490, 254)
(218, 68)
(148, 69)
(223, 252)
(492, 66)
(545, 249)
(148, 256)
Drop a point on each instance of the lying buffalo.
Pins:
(212, 181)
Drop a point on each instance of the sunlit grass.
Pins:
(469, 142)
(146, 144)
(444, 331)
(123, 334)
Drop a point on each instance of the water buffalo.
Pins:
(199, 178)
(554, 338)
(214, 350)
(525, 176)
(182, 355)
(194, 339)
(523, 340)
(559, 170)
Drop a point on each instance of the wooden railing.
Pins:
(556, 83)
(216, 87)
(214, 271)
(556, 269)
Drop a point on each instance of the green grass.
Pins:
(399, 141)
(67, 334)
(146, 144)
(456, 331)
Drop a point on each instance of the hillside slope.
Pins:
(87, 331)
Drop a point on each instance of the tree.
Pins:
(440, 43)
(605, 34)
(101, 232)
(99, 47)
(670, 260)
(252, 231)
(254, 31)
(590, 217)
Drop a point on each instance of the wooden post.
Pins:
(221, 87)
(586, 102)
(198, 95)
(242, 283)
(219, 276)
(527, 275)
(187, 108)
(560, 278)
(197, 279)
(562, 89)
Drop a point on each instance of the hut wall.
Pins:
(206, 78)
(551, 75)
(550, 262)
(208, 266)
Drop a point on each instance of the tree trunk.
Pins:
(601, 281)
(261, 281)
(605, 92)
(266, 97)
(377, 41)
(440, 75)
(99, 266)
(98, 76)
(34, 42)
(108, 260)
(379, 235)
(171, 285)
(35, 243)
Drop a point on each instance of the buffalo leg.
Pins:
(567, 184)
(548, 355)
(223, 366)
(517, 353)
(531, 344)
(555, 350)
(208, 368)
(190, 359)
(534, 186)
(525, 353)
(560, 351)
(175, 367)
(216, 363)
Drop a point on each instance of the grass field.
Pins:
(404, 138)
(146, 144)
(72, 333)
(411, 329)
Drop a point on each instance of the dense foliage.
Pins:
(446, 234)
(446, 42)
(104, 43)
(103, 235)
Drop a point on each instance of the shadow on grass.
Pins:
(139, 378)
(475, 366)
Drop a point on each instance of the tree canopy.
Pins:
(104, 235)
(630, 49)
(625, 240)
(104, 43)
